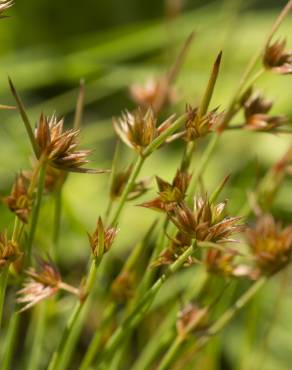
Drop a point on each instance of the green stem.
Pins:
(171, 354)
(37, 335)
(3, 285)
(138, 313)
(10, 341)
(57, 221)
(202, 165)
(61, 356)
(36, 212)
(135, 172)
(218, 325)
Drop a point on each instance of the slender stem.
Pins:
(61, 356)
(138, 313)
(218, 325)
(135, 172)
(202, 164)
(3, 285)
(36, 212)
(37, 335)
(171, 354)
(57, 220)
(96, 341)
(10, 341)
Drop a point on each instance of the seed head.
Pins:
(169, 193)
(9, 251)
(59, 146)
(19, 201)
(154, 94)
(256, 109)
(270, 244)
(206, 221)
(197, 126)
(41, 284)
(102, 239)
(277, 59)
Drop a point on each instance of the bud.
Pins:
(102, 239)
(19, 201)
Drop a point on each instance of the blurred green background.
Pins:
(47, 47)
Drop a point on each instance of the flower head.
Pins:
(169, 193)
(197, 126)
(277, 59)
(102, 239)
(256, 109)
(9, 251)
(138, 128)
(42, 284)
(59, 146)
(270, 244)
(206, 221)
(19, 201)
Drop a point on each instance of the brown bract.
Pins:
(206, 221)
(9, 250)
(42, 284)
(197, 126)
(256, 109)
(19, 201)
(169, 193)
(277, 59)
(138, 129)
(154, 94)
(270, 243)
(59, 146)
(102, 239)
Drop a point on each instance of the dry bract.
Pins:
(271, 244)
(42, 284)
(9, 250)
(256, 109)
(277, 59)
(4, 5)
(59, 146)
(102, 239)
(19, 201)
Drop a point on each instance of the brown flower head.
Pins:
(102, 239)
(19, 201)
(154, 94)
(270, 244)
(119, 182)
(177, 246)
(206, 222)
(9, 250)
(42, 284)
(197, 126)
(277, 59)
(59, 146)
(169, 193)
(138, 129)
(256, 109)
(4, 5)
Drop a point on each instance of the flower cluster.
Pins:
(9, 250)
(102, 239)
(277, 59)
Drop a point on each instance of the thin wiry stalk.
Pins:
(140, 310)
(3, 285)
